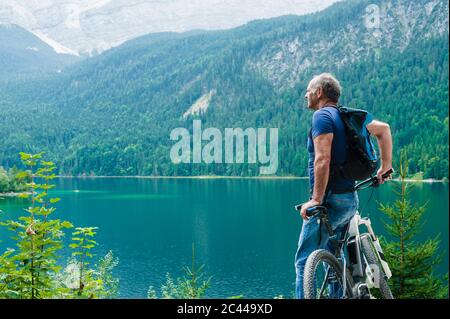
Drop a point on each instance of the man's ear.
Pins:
(319, 92)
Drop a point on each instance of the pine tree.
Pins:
(412, 263)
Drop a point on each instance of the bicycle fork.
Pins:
(377, 247)
(344, 274)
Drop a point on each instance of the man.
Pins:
(327, 146)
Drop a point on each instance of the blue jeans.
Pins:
(341, 208)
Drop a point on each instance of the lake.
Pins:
(245, 231)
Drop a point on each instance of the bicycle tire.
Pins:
(372, 259)
(322, 255)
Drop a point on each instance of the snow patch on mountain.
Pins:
(57, 47)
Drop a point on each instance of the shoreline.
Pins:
(13, 194)
(190, 177)
(409, 180)
(208, 177)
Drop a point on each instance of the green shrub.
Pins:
(32, 269)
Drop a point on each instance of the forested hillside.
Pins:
(112, 114)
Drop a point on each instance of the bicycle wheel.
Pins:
(323, 277)
(373, 260)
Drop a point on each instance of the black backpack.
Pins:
(362, 161)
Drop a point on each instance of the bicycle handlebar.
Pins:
(372, 181)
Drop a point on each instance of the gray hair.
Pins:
(330, 86)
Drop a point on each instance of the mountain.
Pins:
(90, 26)
(23, 53)
(113, 114)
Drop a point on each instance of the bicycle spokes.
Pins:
(327, 283)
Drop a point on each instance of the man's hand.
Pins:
(307, 205)
(381, 171)
(382, 132)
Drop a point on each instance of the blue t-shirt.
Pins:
(327, 120)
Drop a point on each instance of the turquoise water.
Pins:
(245, 231)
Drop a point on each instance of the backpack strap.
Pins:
(335, 172)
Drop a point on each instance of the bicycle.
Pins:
(357, 265)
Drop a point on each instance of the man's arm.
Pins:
(382, 132)
(322, 159)
(322, 150)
